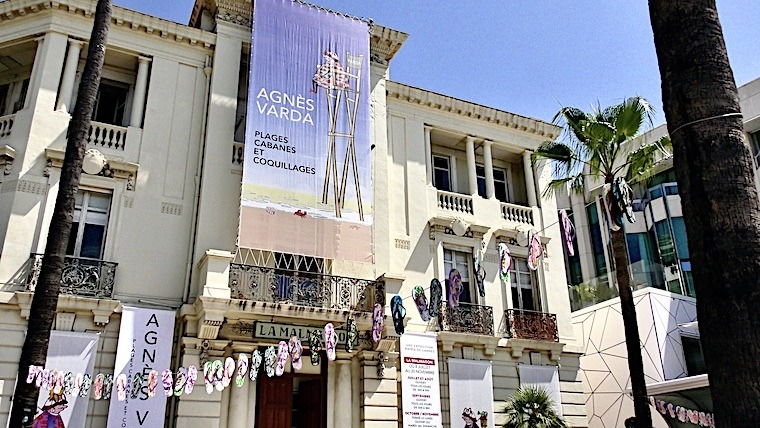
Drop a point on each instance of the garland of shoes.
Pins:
(217, 374)
(682, 414)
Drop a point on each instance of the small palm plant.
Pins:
(531, 407)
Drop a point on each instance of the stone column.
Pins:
(471, 172)
(251, 401)
(488, 166)
(428, 158)
(238, 403)
(343, 413)
(69, 75)
(141, 86)
(356, 390)
(332, 381)
(530, 182)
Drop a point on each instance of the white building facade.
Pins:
(157, 227)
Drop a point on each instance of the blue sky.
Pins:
(528, 57)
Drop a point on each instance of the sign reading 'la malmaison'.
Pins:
(266, 330)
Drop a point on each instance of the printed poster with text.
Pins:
(420, 388)
(470, 393)
(307, 178)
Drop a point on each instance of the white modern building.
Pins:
(157, 226)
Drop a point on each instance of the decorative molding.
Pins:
(443, 226)
(129, 202)
(24, 186)
(403, 244)
(115, 168)
(384, 43)
(471, 110)
(209, 324)
(169, 208)
(234, 12)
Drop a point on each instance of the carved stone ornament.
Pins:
(459, 227)
(94, 162)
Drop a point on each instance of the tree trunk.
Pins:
(715, 176)
(631, 326)
(45, 300)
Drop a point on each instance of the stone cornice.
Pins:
(471, 110)
(384, 43)
(125, 18)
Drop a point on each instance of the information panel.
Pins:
(420, 388)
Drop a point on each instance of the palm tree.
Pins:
(598, 147)
(45, 300)
(715, 175)
(531, 407)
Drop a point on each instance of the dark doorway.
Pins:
(293, 400)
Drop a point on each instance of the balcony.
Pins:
(455, 202)
(81, 276)
(314, 290)
(6, 125)
(521, 324)
(467, 318)
(107, 136)
(517, 213)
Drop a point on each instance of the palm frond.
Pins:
(573, 183)
(531, 407)
(564, 158)
(641, 162)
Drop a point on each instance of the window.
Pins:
(524, 295)
(242, 97)
(665, 242)
(643, 266)
(499, 181)
(460, 261)
(110, 102)
(88, 231)
(754, 141)
(442, 173)
(596, 238)
(692, 352)
(308, 270)
(13, 96)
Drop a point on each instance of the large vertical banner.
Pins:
(546, 377)
(71, 353)
(307, 179)
(146, 337)
(420, 387)
(470, 393)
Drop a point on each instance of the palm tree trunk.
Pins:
(45, 300)
(715, 176)
(631, 326)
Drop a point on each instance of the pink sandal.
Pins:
(331, 340)
(34, 372)
(242, 369)
(121, 387)
(167, 381)
(208, 376)
(378, 319)
(192, 377)
(229, 371)
(97, 392)
(78, 379)
(218, 366)
(282, 358)
(295, 348)
(152, 383)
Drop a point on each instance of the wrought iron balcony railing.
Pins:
(265, 284)
(534, 325)
(467, 318)
(81, 276)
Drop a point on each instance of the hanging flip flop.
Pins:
(534, 252)
(78, 379)
(436, 296)
(34, 371)
(282, 357)
(505, 262)
(167, 381)
(86, 384)
(378, 319)
(59, 377)
(255, 364)
(152, 383)
(137, 382)
(296, 350)
(208, 376)
(229, 371)
(97, 390)
(315, 345)
(180, 381)
(270, 360)
(41, 378)
(242, 369)
(398, 313)
(121, 387)
(68, 383)
(568, 232)
(331, 340)
(480, 273)
(218, 366)
(107, 386)
(192, 377)
(352, 333)
(455, 288)
(418, 294)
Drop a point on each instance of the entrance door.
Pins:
(310, 404)
(274, 401)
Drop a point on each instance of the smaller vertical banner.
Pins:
(470, 393)
(145, 343)
(420, 388)
(71, 353)
(546, 377)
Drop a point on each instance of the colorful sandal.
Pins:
(295, 349)
(534, 252)
(270, 360)
(418, 294)
(208, 376)
(229, 371)
(568, 232)
(505, 262)
(86, 384)
(315, 345)
(255, 364)
(152, 383)
(34, 372)
(68, 383)
(44, 379)
(218, 375)
(137, 382)
(180, 381)
(398, 313)
(97, 388)
(282, 357)
(331, 339)
(378, 319)
(436, 296)
(58, 385)
(455, 288)
(167, 380)
(192, 377)
(242, 369)
(78, 379)
(352, 333)
(121, 387)
(107, 386)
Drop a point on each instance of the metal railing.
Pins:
(467, 318)
(81, 276)
(522, 324)
(517, 213)
(455, 202)
(317, 290)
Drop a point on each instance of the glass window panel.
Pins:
(92, 241)
(596, 238)
(665, 242)
(671, 189)
(441, 162)
(655, 192)
(99, 201)
(695, 360)
(71, 246)
(679, 233)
